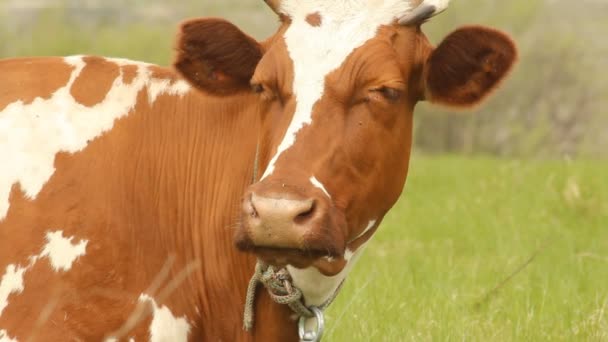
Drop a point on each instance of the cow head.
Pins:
(336, 87)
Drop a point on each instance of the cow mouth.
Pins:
(289, 256)
(327, 262)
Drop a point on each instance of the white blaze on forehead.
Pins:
(319, 185)
(165, 327)
(4, 337)
(60, 250)
(32, 134)
(316, 51)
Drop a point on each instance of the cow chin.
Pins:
(289, 230)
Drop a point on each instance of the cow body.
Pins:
(90, 187)
(125, 187)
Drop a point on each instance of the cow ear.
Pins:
(468, 65)
(216, 56)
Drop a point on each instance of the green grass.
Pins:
(464, 225)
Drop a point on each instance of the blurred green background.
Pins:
(520, 183)
(554, 105)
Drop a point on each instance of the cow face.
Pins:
(335, 88)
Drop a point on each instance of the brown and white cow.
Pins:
(125, 186)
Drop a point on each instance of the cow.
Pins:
(137, 202)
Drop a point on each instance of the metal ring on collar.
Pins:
(312, 336)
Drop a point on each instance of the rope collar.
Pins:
(279, 284)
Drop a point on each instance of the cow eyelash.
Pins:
(265, 93)
(391, 94)
(257, 88)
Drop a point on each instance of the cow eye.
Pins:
(257, 88)
(390, 94)
(266, 93)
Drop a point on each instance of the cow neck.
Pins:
(195, 198)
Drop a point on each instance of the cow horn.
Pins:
(425, 10)
(274, 5)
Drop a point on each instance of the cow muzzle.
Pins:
(289, 227)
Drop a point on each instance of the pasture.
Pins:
(478, 248)
(463, 226)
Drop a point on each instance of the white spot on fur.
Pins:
(4, 337)
(160, 87)
(370, 225)
(348, 254)
(11, 282)
(317, 51)
(32, 134)
(319, 185)
(316, 287)
(61, 252)
(165, 327)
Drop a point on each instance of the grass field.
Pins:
(463, 226)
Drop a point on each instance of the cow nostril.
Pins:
(307, 214)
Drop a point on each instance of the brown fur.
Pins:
(29, 84)
(139, 197)
(103, 73)
(314, 19)
(129, 72)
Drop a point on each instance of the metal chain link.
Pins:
(312, 335)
